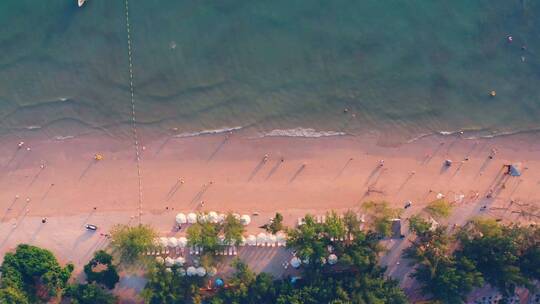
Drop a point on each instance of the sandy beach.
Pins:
(60, 180)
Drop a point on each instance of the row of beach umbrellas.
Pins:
(331, 260)
(212, 217)
(173, 242)
(189, 271)
(261, 239)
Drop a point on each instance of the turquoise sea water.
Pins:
(402, 67)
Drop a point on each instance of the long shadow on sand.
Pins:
(297, 173)
(274, 168)
(256, 169)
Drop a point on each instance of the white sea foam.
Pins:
(64, 137)
(207, 132)
(302, 132)
(33, 127)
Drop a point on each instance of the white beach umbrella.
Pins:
(179, 261)
(182, 242)
(271, 239)
(212, 271)
(191, 271)
(181, 272)
(281, 238)
(236, 216)
(169, 261)
(191, 218)
(245, 219)
(261, 238)
(181, 218)
(251, 240)
(163, 241)
(221, 217)
(201, 271)
(160, 260)
(295, 262)
(168, 269)
(173, 242)
(332, 259)
(213, 217)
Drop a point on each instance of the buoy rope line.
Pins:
(133, 116)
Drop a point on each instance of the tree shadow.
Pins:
(343, 168)
(297, 173)
(88, 167)
(256, 169)
(274, 168)
(218, 148)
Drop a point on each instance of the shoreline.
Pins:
(317, 175)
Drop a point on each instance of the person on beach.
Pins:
(381, 163)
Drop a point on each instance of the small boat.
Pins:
(81, 2)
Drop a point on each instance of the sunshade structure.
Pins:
(295, 262)
(182, 242)
(169, 261)
(251, 240)
(163, 241)
(201, 271)
(160, 260)
(191, 271)
(181, 219)
(212, 271)
(173, 242)
(261, 239)
(179, 261)
(213, 217)
(245, 219)
(191, 218)
(332, 259)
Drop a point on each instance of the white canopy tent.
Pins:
(173, 242)
(181, 219)
(163, 241)
(182, 242)
(180, 261)
(201, 271)
(169, 261)
(191, 271)
(213, 217)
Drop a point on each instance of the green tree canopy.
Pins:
(108, 277)
(276, 225)
(130, 242)
(439, 208)
(381, 215)
(89, 294)
(232, 229)
(31, 274)
(169, 287)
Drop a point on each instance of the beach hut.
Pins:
(181, 272)
(182, 242)
(169, 261)
(173, 242)
(332, 259)
(251, 240)
(213, 217)
(295, 262)
(181, 219)
(261, 239)
(201, 272)
(191, 218)
(245, 219)
(191, 271)
(179, 261)
(212, 271)
(163, 241)
(160, 260)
